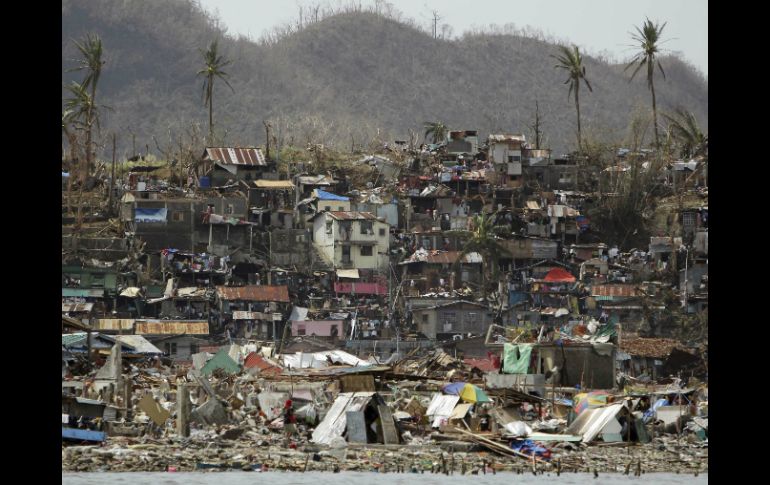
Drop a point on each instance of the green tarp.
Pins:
(221, 361)
(516, 358)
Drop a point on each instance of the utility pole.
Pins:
(112, 180)
(267, 139)
(436, 18)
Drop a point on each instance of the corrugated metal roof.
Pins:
(254, 293)
(265, 366)
(507, 137)
(532, 204)
(76, 307)
(316, 180)
(352, 215)
(115, 323)
(273, 184)
(74, 322)
(615, 290)
(165, 327)
(235, 156)
(140, 344)
(70, 339)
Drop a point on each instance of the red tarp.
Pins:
(558, 275)
(361, 288)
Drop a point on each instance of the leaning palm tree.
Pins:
(648, 39)
(571, 61)
(437, 130)
(482, 239)
(84, 101)
(214, 63)
(685, 131)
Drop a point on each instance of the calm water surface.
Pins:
(359, 478)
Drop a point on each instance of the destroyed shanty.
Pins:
(454, 303)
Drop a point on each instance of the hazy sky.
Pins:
(594, 25)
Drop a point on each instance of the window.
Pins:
(514, 158)
(300, 238)
(177, 216)
(366, 227)
(329, 227)
(301, 330)
(171, 348)
(366, 250)
(229, 209)
(327, 207)
(688, 219)
(472, 317)
(424, 318)
(194, 348)
(382, 231)
(340, 208)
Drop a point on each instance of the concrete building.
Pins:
(352, 239)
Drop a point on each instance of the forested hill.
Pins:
(347, 76)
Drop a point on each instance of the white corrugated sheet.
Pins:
(335, 421)
(319, 360)
(441, 407)
(591, 422)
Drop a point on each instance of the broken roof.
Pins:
(254, 293)
(442, 257)
(235, 156)
(656, 348)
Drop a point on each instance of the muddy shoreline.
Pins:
(131, 455)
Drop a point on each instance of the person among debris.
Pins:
(289, 421)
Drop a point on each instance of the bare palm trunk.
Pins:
(211, 111)
(577, 107)
(654, 114)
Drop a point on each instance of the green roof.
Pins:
(68, 339)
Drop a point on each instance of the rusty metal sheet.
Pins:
(235, 156)
(167, 327)
(115, 323)
(352, 215)
(254, 293)
(621, 290)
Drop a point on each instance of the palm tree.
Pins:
(685, 130)
(83, 103)
(648, 38)
(213, 69)
(483, 240)
(437, 130)
(571, 61)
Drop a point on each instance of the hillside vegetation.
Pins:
(347, 79)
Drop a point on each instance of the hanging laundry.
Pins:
(516, 358)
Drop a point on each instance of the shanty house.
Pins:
(352, 239)
(653, 357)
(178, 339)
(250, 309)
(234, 163)
(427, 268)
(505, 151)
(442, 321)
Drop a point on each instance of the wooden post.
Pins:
(112, 180)
(127, 396)
(183, 410)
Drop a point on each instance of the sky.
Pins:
(596, 26)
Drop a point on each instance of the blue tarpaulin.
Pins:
(323, 195)
(150, 215)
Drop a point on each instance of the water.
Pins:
(357, 478)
